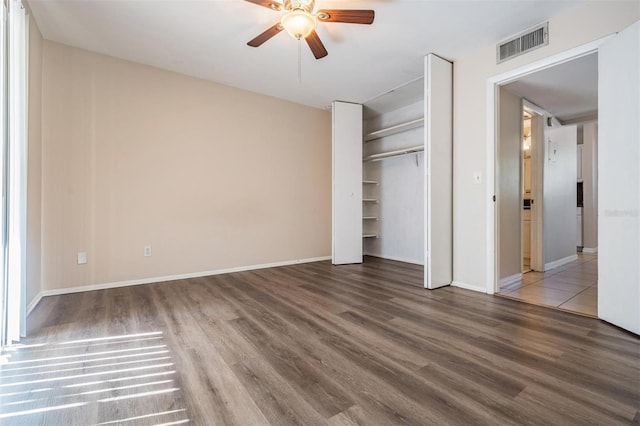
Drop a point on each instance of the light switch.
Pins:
(82, 257)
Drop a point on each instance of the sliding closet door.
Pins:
(347, 183)
(438, 172)
(619, 179)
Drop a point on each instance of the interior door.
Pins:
(438, 271)
(619, 179)
(347, 183)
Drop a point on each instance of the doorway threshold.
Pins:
(555, 308)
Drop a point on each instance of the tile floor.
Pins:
(572, 287)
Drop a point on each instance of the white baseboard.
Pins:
(152, 280)
(560, 262)
(511, 279)
(34, 302)
(589, 249)
(397, 259)
(473, 287)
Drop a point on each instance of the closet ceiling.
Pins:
(207, 39)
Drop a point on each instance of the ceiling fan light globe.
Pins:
(299, 24)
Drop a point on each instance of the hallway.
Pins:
(572, 287)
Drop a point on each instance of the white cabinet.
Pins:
(579, 226)
(579, 162)
(526, 234)
(527, 176)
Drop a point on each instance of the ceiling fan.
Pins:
(300, 21)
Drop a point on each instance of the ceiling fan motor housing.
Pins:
(306, 5)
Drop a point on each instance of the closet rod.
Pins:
(396, 153)
(392, 130)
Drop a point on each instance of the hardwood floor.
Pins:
(315, 344)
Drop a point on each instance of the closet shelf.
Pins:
(392, 130)
(369, 218)
(369, 200)
(396, 153)
(369, 236)
(370, 182)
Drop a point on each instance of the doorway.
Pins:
(531, 191)
(618, 181)
(537, 176)
(526, 192)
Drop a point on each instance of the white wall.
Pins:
(210, 176)
(400, 190)
(590, 186)
(509, 183)
(559, 194)
(574, 27)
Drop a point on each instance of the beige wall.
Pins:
(579, 25)
(210, 176)
(34, 177)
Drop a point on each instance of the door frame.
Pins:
(493, 96)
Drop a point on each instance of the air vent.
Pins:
(524, 42)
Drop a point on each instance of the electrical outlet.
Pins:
(82, 257)
(147, 251)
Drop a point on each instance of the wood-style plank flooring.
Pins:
(315, 344)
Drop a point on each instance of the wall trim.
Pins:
(472, 287)
(511, 279)
(397, 259)
(560, 262)
(589, 249)
(34, 302)
(152, 280)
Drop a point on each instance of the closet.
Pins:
(392, 175)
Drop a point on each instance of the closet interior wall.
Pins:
(393, 187)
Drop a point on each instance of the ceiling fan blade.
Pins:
(274, 5)
(348, 16)
(316, 45)
(265, 35)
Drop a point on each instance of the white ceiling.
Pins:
(207, 39)
(567, 91)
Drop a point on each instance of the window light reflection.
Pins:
(145, 416)
(101, 371)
